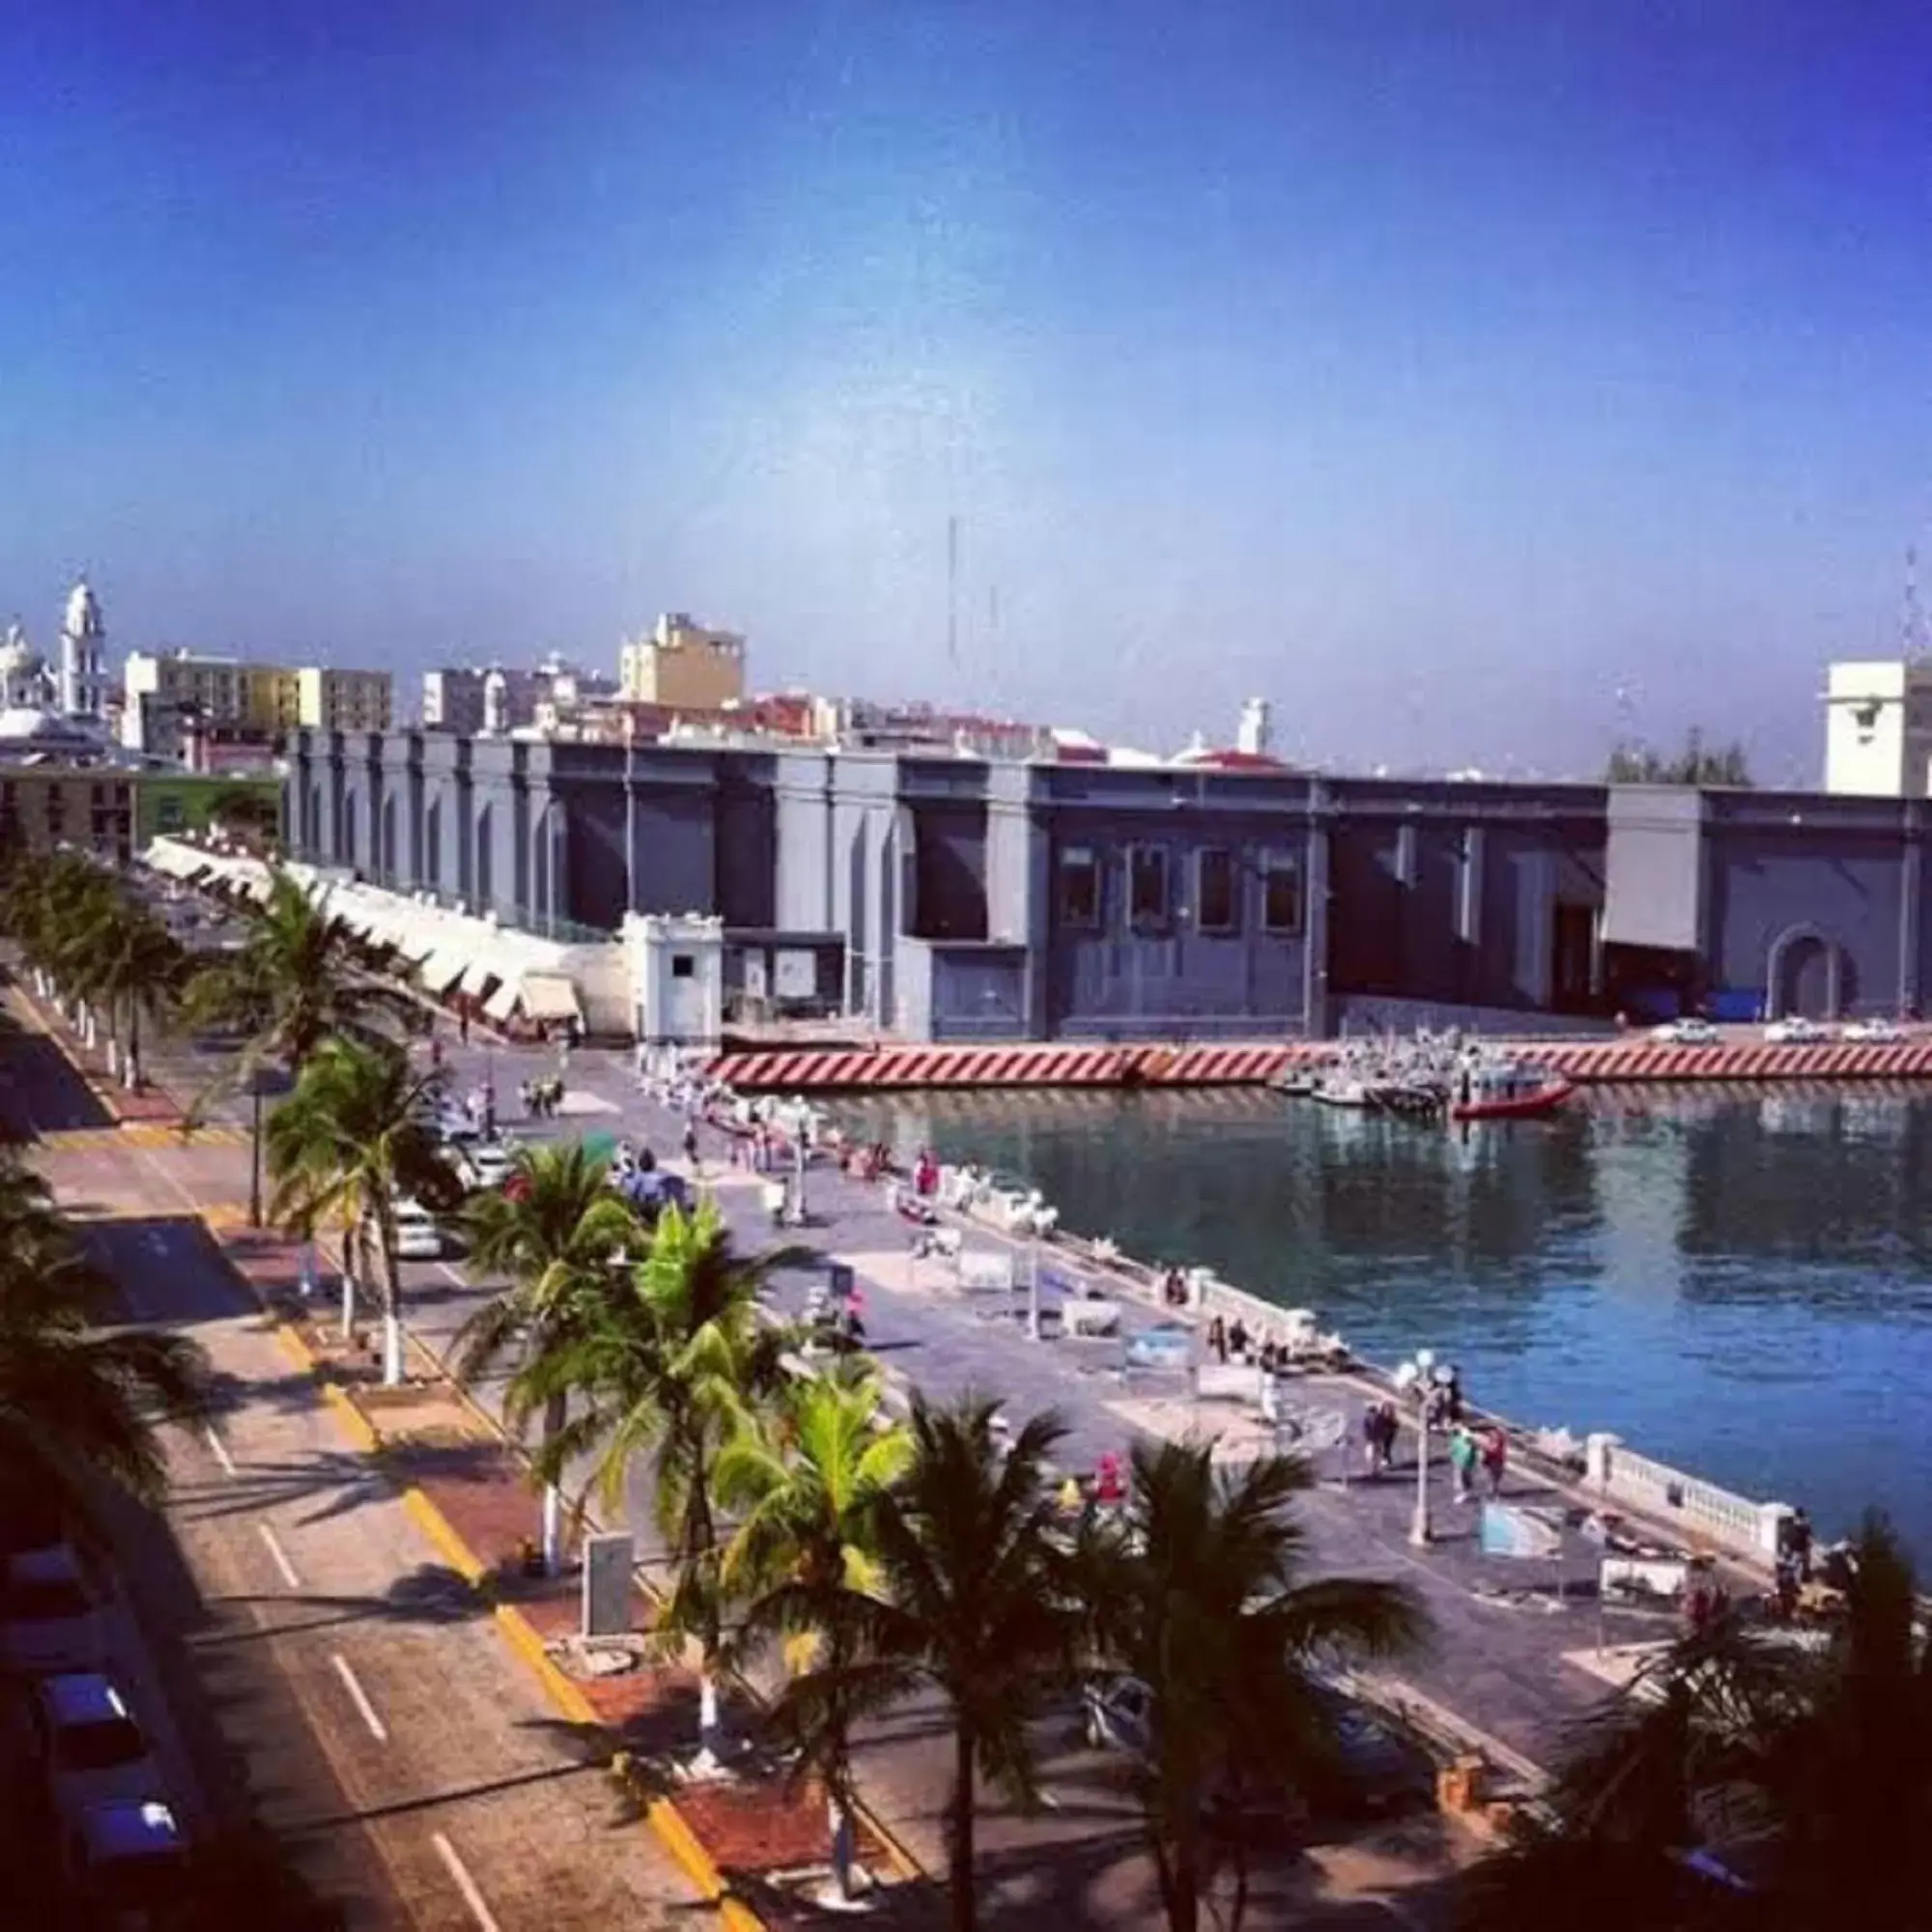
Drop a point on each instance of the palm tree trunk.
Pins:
(557, 1411)
(351, 1254)
(393, 1312)
(959, 1831)
(133, 1062)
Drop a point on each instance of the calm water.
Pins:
(1742, 1286)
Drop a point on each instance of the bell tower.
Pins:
(83, 680)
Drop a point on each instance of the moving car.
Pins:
(49, 1617)
(1685, 1032)
(90, 1748)
(1872, 1031)
(1796, 1031)
(419, 1238)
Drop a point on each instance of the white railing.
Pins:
(1701, 1509)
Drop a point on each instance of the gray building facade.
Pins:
(952, 899)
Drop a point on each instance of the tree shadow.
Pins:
(41, 1091)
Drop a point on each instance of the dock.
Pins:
(1739, 1056)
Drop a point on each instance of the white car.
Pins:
(487, 1164)
(90, 1748)
(49, 1617)
(419, 1238)
(1873, 1031)
(1685, 1032)
(1797, 1031)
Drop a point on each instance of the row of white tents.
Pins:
(512, 975)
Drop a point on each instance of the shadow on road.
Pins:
(40, 1091)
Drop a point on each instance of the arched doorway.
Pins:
(1804, 975)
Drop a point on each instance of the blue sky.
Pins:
(1475, 381)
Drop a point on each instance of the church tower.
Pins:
(83, 681)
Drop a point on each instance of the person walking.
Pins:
(1462, 1462)
(1496, 1458)
(1218, 1339)
(691, 1144)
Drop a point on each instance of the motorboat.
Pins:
(1506, 1090)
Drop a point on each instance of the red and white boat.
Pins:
(1506, 1090)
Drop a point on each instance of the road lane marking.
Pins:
(360, 1697)
(485, 1919)
(219, 1450)
(280, 1555)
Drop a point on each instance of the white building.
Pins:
(83, 646)
(1878, 728)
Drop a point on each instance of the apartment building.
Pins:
(231, 697)
(684, 666)
(330, 699)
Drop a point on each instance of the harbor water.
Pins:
(1739, 1283)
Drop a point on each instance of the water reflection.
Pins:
(1736, 1282)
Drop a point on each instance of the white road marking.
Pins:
(485, 1919)
(360, 1697)
(219, 1450)
(280, 1555)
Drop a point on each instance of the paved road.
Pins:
(323, 1675)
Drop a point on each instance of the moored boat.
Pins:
(1507, 1089)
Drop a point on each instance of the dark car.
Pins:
(1380, 1770)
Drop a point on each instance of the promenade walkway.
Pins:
(1514, 1659)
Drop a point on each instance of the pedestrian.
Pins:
(1237, 1340)
(1372, 1438)
(1462, 1462)
(1218, 1339)
(691, 1144)
(1797, 1538)
(526, 1097)
(462, 1025)
(1387, 1428)
(1496, 1458)
(489, 1110)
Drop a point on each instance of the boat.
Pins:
(1507, 1089)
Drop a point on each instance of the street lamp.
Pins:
(1423, 1362)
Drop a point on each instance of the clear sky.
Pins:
(1477, 380)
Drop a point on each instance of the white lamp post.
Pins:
(1424, 1363)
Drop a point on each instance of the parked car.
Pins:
(1685, 1032)
(1167, 1345)
(88, 1746)
(126, 1861)
(1379, 1771)
(419, 1237)
(1873, 1031)
(49, 1617)
(1796, 1031)
(483, 1164)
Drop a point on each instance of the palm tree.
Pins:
(77, 1401)
(556, 1231)
(1805, 1766)
(297, 981)
(806, 1488)
(1200, 1594)
(977, 1604)
(347, 1147)
(52, 907)
(131, 965)
(673, 1361)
